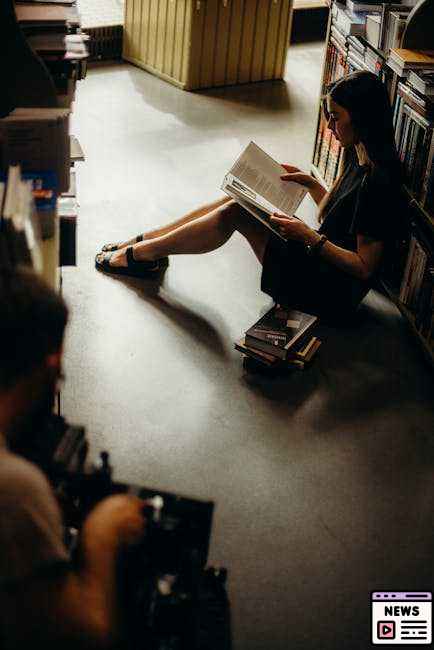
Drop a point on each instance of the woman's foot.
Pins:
(108, 248)
(122, 262)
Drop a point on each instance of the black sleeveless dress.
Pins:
(365, 203)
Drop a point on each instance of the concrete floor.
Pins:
(323, 480)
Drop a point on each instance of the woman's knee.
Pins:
(231, 215)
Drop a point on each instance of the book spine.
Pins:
(421, 257)
(274, 350)
(404, 135)
(422, 308)
(422, 162)
(428, 173)
(319, 137)
(404, 283)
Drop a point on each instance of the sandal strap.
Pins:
(134, 264)
(130, 256)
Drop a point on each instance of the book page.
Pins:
(257, 176)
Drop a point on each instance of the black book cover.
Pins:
(280, 330)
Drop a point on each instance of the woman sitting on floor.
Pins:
(327, 271)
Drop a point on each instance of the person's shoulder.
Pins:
(19, 476)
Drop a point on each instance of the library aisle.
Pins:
(323, 480)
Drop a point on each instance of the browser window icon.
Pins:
(401, 617)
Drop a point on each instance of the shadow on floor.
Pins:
(267, 95)
(182, 311)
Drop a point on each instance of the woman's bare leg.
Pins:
(201, 235)
(190, 216)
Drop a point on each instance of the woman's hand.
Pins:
(295, 175)
(294, 228)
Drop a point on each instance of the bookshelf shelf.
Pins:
(410, 320)
(425, 216)
(44, 55)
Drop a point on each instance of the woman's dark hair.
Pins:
(32, 323)
(365, 98)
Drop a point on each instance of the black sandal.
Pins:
(110, 248)
(133, 269)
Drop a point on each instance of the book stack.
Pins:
(393, 29)
(422, 82)
(20, 240)
(402, 61)
(53, 31)
(281, 338)
(417, 287)
(38, 139)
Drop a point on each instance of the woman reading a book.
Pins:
(326, 271)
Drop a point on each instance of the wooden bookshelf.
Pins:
(426, 217)
(339, 61)
(31, 81)
(428, 351)
(197, 44)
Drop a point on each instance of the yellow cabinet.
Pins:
(206, 43)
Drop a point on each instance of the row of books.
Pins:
(20, 240)
(417, 287)
(403, 61)
(281, 338)
(414, 121)
(380, 23)
(415, 143)
(53, 31)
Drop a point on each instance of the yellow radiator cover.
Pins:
(206, 43)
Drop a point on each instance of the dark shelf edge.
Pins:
(410, 320)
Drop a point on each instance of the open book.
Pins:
(254, 182)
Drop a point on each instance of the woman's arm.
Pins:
(361, 263)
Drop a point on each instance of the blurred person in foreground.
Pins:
(45, 601)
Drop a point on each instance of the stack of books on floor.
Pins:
(281, 338)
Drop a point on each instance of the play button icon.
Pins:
(386, 629)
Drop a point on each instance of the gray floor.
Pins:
(323, 480)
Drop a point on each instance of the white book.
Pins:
(254, 183)
(354, 7)
(12, 192)
(22, 225)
